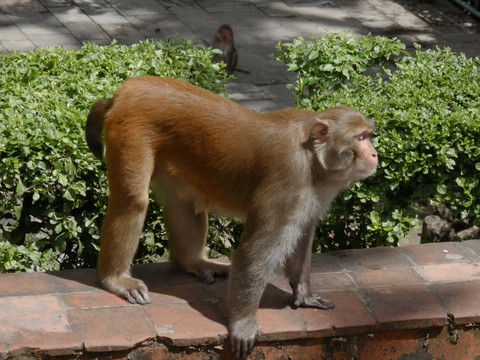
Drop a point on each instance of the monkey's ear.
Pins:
(319, 132)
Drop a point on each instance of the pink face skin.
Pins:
(367, 158)
(364, 163)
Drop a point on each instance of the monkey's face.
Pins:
(356, 160)
(342, 144)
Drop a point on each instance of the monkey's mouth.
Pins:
(368, 171)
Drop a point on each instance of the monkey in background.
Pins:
(223, 40)
(279, 171)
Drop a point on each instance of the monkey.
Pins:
(203, 153)
(223, 40)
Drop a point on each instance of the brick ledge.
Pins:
(417, 298)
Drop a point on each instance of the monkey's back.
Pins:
(196, 133)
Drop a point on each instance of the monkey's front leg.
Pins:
(119, 239)
(249, 273)
(121, 228)
(298, 270)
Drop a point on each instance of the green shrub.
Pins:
(324, 65)
(52, 189)
(427, 112)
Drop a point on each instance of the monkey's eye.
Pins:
(363, 136)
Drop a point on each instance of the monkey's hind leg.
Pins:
(187, 231)
(121, 228)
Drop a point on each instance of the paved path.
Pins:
(258, 26)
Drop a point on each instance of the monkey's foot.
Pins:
(208, 269)
(313, 301)
(243, 334)
(133, 290)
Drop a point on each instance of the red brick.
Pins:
(385, 277)
(275, 297)
(219, 293)
(323, 263)
(49, 342)
(372, 259)
(32, 313)
(474, 246)
(279, 287)
(391, 345)
(110, 329)
(196, 323)
(343, 348)
(162, 274)
(462, 299)
(3, 349)
(93, 299)
(311, 349)
(280, 323)
(374, 290)
(465, 345)
(406, 307)
(276, 316)
(193, 291)
(433, 343)
(331, 281)
(280, 282)
(450, 272)
(348, 316)
(152, 352)
(36, 322)
(161, 352)
(24, 284)
(67, 281)
(437, 253)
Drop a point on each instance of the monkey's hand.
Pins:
(133, 290)
(243, 334)
(314, 300)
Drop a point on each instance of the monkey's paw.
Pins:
(208, 269)
(313, 301)
(133, 290)
(243, 334)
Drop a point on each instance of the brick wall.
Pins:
(413, 302)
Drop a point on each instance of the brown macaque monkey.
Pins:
(204, 153)
(223, 40)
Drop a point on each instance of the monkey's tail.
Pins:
(94, 127)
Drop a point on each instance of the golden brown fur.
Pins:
(204, 153)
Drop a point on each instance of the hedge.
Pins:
(52, 189)
(426, 107)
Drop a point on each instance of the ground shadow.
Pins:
(167, 285)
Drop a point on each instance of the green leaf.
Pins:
(20, 190)
(35, 196)
(426, 112)
(45, 96)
